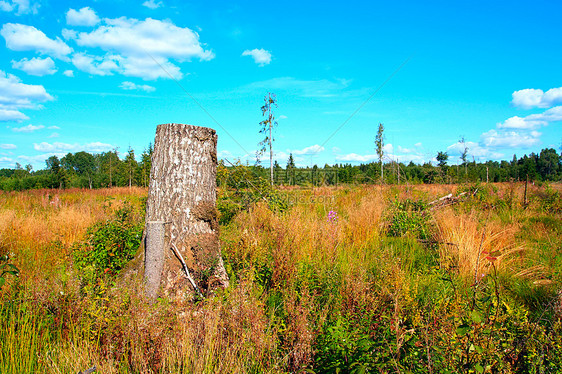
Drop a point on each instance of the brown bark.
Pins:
(182, 193)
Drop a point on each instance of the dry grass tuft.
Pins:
(475, 242)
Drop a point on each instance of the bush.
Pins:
(409, 217)
(109, 245)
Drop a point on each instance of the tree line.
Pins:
(81, 170)
(107, 169)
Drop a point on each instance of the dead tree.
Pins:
(182, 227)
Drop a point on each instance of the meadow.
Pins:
(348, 279)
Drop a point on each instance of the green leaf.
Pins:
(463, 329)
(2, 281)
(476, 316)
(478, 368)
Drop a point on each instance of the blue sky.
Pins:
(97, 75)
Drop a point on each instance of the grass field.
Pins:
(339, 280)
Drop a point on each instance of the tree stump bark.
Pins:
(182, 195)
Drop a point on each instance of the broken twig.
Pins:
(185, 269)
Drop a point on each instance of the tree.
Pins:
(442, 158)
(267, 125)
(131, 164)
(84, 164)
(379, 144)
(464, 153)
(290, 168)
(146, 163)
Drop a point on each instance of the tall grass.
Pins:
(321, 286)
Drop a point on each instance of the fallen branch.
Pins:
(88, 371)
(448, 200)
(185, 269)
(424, 241)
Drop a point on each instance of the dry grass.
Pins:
(294, 273)
(475, 242)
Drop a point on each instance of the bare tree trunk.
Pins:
(270, 154)
(182, 194)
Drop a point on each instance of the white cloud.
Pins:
(224, 154)
(95, 65)
(536, 98)
(8, 146)
(283, 116)
(68, 34)
(83, 17)
(36, 66)
(260, 56)
(309, 151)
(28, 128)
(476, 150)
(354, 157)
(54, 135)
(6, 159)
(132, 37)
(11, 115)
(27, 38)
(20, 6)
(66, 147)
(151, 4)
(69, 73)
(15, 95)
(53, 128)
(533, 121)
(149, 69)
(138, 48)
(388, 149)
(509, 139)
(133, 86)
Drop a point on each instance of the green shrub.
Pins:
(109, 245)
(409, 217)
(549, 200)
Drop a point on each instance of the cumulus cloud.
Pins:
(510, 139)
(66, 147)
(20, 6)
(83, 17)
(95, 65)
(8, 146)
(139, 87)
(15, 95)
(152, 4)
(354, 157)
(6, 160)
(309, 151)
(69, 73)
(27, 38)
(476, 150)
(7, 115)
(260, 56)
(28, 128)
(36, 66)
(533, 121)
(536, 98)
(138, 48)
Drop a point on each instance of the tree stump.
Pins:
(182, 197)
